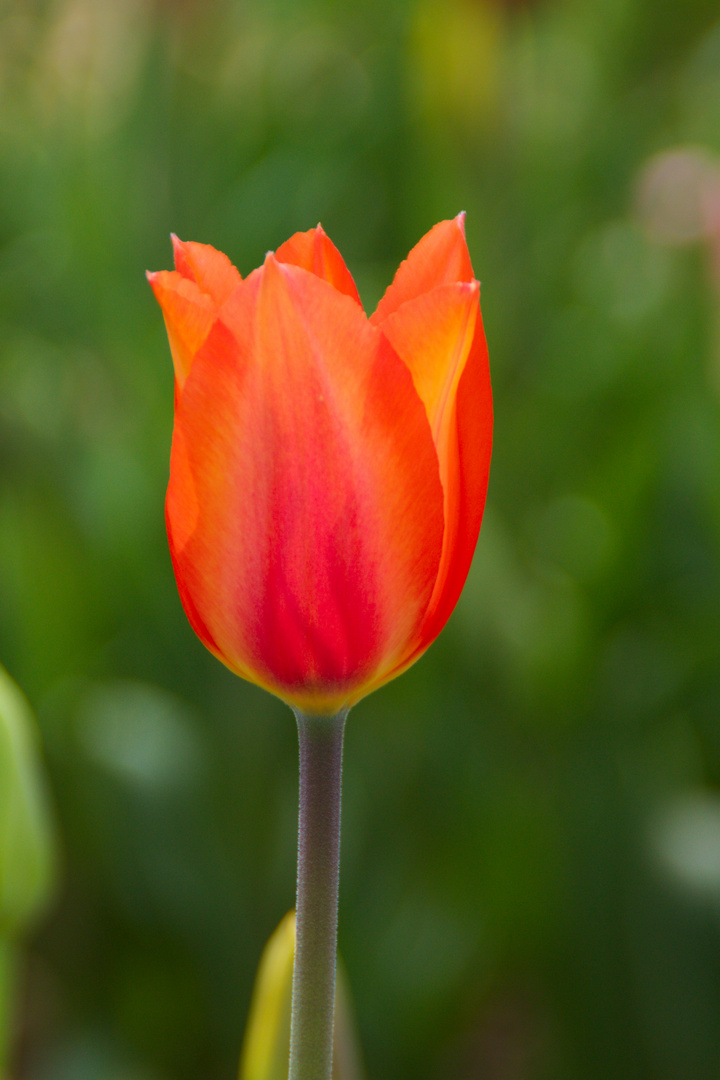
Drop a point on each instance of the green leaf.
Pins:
(266, 1048)
(27, 857)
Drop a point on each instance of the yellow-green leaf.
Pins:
(266, 1049)
(26, 838)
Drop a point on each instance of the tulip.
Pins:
(328, 471)
(327, 484)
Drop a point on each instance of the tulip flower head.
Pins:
(328, 470)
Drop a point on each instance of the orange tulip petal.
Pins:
(315, 251)
(189, 315)
(466, 478)
(211, 271)
(440, 337)
(433, 334)
(440, 258)
(328, 473)
(307, 524)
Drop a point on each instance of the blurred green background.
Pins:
(531, 860)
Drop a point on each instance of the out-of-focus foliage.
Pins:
(266, 1043)
(531, 852)
(27, 854)
(26, 842)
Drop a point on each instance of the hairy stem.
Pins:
(313, 995)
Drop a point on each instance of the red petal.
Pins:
(440, 258)
(307, 526)
(315, 251)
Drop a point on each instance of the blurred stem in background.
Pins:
(27, 854)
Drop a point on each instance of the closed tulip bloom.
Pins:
(328, 471)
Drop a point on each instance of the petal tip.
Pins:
(460, 220)
(154, 281)
(180, 256)
(272, 268)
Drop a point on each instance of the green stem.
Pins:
(313, 995)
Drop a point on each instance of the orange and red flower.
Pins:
(328, 471)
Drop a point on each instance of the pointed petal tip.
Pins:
(272, 268)
(440, 257)
(180, 257)
(178, 247)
